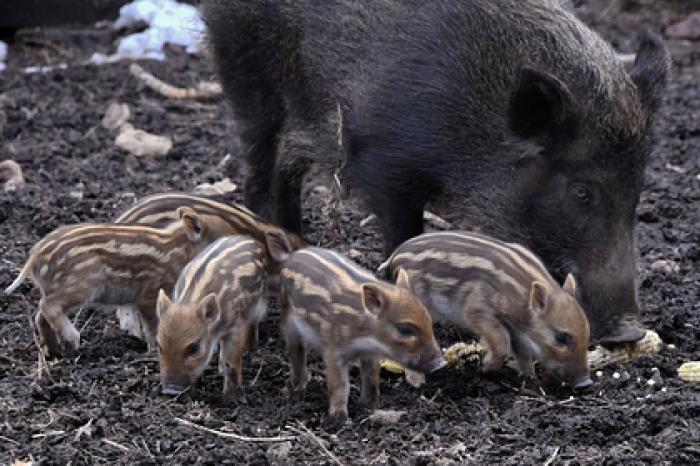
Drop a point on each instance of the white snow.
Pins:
(3, 54)
(169, 22)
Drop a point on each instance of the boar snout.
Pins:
(583, 382)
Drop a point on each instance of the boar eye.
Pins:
(192, 349)
(407, 330)
(581, 192)
(563, 338)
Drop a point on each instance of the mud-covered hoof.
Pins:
(335, 422)
(297, 394)
(626, 332)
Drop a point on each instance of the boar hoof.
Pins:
(626, 332)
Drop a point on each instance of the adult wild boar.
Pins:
(505, 116)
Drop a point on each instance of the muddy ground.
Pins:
(49, 123)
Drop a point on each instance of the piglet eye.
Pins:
(563, 338)
(192, 349)
(407, 330)
(581, 192)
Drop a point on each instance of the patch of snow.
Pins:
(169, 22)
(3, 54)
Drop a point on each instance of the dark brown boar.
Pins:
(506, 116)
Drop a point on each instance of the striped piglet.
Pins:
(160, 210)
(503, 293)
(217, 301)
(107, 264)
(342, 310)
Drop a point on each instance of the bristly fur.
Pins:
(439, 100)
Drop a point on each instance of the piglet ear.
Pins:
(540, 106)
(278, 244)
(402, 279)
(163, 303)
(651, 70)
(373, 299)
(191, 222)
(570, 285)
(209, 308)
(539, 295)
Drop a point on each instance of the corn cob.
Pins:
(647, 346)
(690, 371)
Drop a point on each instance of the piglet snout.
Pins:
(173, 389)
(435, 364)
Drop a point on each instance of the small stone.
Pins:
(143, 144)
(116, 115)
(220, 187)
(11, 173)
(688, 28)
(279, 453)
(616, 375)
(599, 374)
(415, 379)
(665, 266)
(385, 417)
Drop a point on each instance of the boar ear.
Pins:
(570, 285)
(162, 303)
(278, 244)
(540, 105)
(651, 70)
(539, 295)
(402, 279)
(191, 222)
(373, 299)
(209, 308)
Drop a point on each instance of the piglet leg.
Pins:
(48, 339)
(52, 308)
(252, 337)
(338, 385)
(369, 372)
(234, 347)
(147, 310)
(494, 337)
(296, 353)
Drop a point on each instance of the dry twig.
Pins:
(115, 444)
(306, 431)
(204, 90)
(232, 436)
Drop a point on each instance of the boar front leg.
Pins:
(400, 221)
(369, 372)
(338, 385)
(495, 339)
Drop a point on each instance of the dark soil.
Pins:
(50, 124)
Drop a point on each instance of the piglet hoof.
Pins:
(232, 390)
(371, 402)
(335, 422)
(236, 396)
(297, 393)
